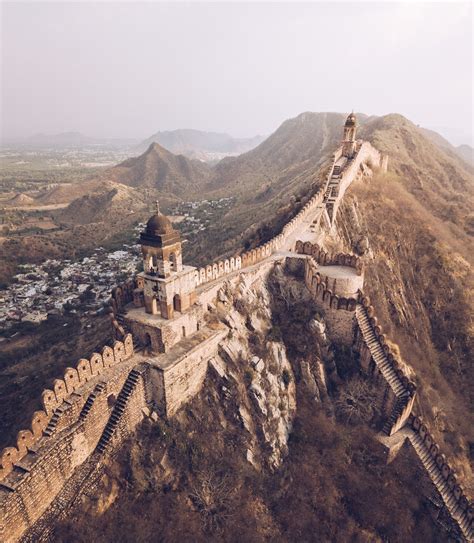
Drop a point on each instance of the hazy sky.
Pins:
(129, 69)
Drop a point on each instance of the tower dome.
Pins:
(159, 225)
(351, 120)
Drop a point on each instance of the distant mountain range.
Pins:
(205, 146)
(267, 183)
(66, 140)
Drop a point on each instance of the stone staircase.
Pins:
(99, 387)
(460, 516)
(119, 407)
(53, 421)
(396, 414)
(378, 354)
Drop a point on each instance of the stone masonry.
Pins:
(165, 342)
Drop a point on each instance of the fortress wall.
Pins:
(220, 269)
(327, 259)
(443, 476)
(133, 412)
(377, 358)
(74, 380)
(338, 310)
(170, 331)
(366, 154)
(177, 384)
(35, 480)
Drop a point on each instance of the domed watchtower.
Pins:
(161, 246)
(168, 286)
(349, 141)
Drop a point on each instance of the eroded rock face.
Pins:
(258, 365)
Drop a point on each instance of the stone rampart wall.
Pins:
(33, 481)
(317, 284)
(72, 381)
(377, 357)
(327, 259)
(443, 476)
(222, 268)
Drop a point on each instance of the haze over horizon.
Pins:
(123, 70)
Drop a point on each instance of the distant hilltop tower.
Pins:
(349, 141)
(168, 286)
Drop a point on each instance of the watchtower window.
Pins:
(173, 265)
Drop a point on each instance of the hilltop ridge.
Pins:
(201, 145)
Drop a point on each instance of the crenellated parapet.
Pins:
(442, 475)
(222, 268)
(324, 258)
(74, 379)
(317, 283)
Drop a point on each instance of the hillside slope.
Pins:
(160, 169)
(417, 225)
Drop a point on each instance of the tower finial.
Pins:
(157, 205)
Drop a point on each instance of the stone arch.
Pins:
(39, 422)
(24, 441)
(202, 275)
(108, 356)
(238, 262)
(97, 364)
(232, 263)
(428, 441)
(84, 370)
(119, 351)
(177, 302)
(327, 296)
(148, 342)
(197, 278)
(60, 390)
(452, 481)
(334, 302)
(307, 248)
(128, 345)
(366, 302)
(215, 271)
(226, 266)
(416, 423)
(209, 272)
(49, 401)
(71, 378)
(315, 252)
